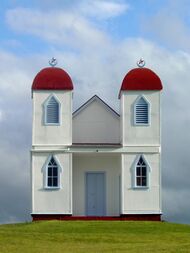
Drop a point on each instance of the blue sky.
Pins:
(153, 20)
(131, 22)
(97, 42)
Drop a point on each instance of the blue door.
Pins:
(95, 194)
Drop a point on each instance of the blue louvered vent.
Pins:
(52, 111)
(141, 112)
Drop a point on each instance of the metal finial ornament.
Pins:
(141, 63)
(53, 62)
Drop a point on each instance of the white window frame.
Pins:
(149, 111)
(45, 111)
(45, 174)
(134, 174)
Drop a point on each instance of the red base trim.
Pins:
(142, 217)
(134, 217)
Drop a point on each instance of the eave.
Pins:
(84, 148)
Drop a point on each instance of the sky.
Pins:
(97, 42)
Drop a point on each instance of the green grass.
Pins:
(94, 236)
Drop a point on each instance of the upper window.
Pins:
(51, 171)
(52, 111)
(141, 112)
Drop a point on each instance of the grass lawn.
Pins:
(94, 236)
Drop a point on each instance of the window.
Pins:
(140, 173)
(52, 176)
(52, 111)
(51, 172)
(141, 113)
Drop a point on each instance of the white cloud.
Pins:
(103, 9)
(1, 115)
(169, 25)
(170, 29)
(15, 121)
(56, 27)
(12, 74)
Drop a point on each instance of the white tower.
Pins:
(51, 135)
(140, 137)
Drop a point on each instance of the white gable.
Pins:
(96, 122)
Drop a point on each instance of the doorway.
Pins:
(95, 194)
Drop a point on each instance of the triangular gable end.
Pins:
(96, 122)
(91, 100)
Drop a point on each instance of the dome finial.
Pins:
(141, 63)
(53, 62)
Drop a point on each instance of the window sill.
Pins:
(145, 124)
(52, 124)
(141, 187)
(52, 188)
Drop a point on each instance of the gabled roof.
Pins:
(92, 99)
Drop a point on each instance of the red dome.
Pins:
(52, 78)
(141, 79)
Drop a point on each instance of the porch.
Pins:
(96, 185)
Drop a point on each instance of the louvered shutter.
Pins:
(141, 112)
(52, 111)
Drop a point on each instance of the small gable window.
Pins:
(141, 171)
(52, 171)
(52, 111)
(142, 112)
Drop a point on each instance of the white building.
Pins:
(95, 163)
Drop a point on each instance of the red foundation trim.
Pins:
(36, 217)
(142, 217)
(130, 217)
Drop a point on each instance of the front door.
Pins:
(95, 194)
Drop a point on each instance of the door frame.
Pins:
(85, 188)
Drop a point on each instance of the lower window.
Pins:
(141, 173)
(52, 173)
(52, 179)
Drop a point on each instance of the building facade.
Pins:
(95, 163)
